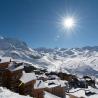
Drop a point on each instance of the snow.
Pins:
(81, 92)
(39, 84)
(5, 93)
(70, 60)
(55, 83)
(42, 75)
(78, 61)
(12, 67)
(49, 95)
(27, 77)
(5, 59)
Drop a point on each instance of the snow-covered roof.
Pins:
(54, 83)
(81, 92)
(49, 84)
(18, 68)
(39, 84)
(13, 67)
(27, 77)
(5, 59)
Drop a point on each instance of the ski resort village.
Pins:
(39, 83)
(48, 48)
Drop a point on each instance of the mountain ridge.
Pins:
(71, 60)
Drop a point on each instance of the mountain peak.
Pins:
(9, 43)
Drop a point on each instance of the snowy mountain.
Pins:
(70, 60)
(10, 47)
(74, 60)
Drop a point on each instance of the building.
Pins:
(13, 74)
(27, 82)
(3, 69)
(10, 72)
(56, 87)
(38, 91)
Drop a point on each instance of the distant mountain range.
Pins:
(80, 61)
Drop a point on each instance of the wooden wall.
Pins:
(4, 65)
(38, 93)
(26, 89)
(58, 91)
(13, 79)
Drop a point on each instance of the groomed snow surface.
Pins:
(81, 93)
(5, 93)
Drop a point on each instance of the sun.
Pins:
(68, 22)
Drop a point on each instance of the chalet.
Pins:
(56, 87)
(27, 83)
(4, 64)
(10, 72)
(3, 68)
(13, 74)
(38, 91)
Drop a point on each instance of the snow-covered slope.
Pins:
(74, 60)
(5, 93)
(10, 47)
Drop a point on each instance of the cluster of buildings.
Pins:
(14, 77)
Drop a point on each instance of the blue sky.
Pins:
(36, 22)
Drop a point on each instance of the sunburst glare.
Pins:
(69, 23)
